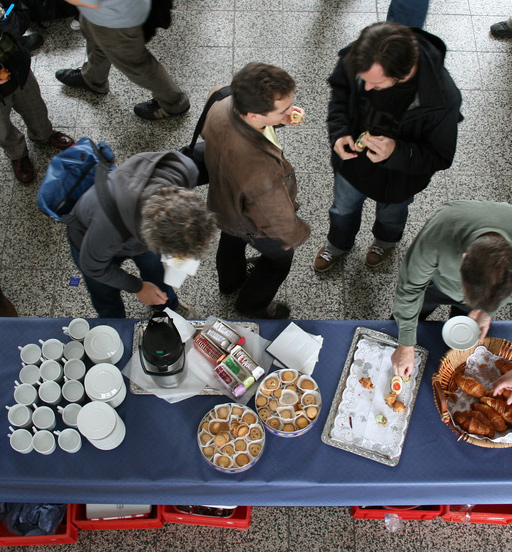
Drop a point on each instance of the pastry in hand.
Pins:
(359, 146)
(296, 117)
(471, 386)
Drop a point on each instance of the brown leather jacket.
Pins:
(252, 186)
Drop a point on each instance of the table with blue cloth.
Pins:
(159, 461)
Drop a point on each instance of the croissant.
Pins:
(367, 383)
(503, 365)
(497, 421)
(500, 406)
(471, 386)
(473, 425)
(390, 398)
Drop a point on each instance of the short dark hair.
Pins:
(486, 272)
(391, 45)
(175, 221)
(257, 86)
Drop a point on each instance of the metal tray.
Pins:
(369, 452)
(198, 325)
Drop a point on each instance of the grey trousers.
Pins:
(125, 49)
(29, 103)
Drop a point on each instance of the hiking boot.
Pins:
(60, 140)
(377, 255)
(74, 79)
(151, 110)
(274, 311)
(324, 260)
(23, 169)
(501, 30)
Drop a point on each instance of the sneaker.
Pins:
(273, 311)
(74, 79)
(377, 255)
(501, 30)
(23, 169)
(151, 110)
(324, 260)
(186, 311)
(75, 25)
(32, 41)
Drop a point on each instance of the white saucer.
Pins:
(461, 332)
(103, 344)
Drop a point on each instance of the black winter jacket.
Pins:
(427, 135)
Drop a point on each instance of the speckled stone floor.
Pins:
(207, 42)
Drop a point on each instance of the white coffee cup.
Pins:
(44, 418)
(70, 413)
(69, 440)
(77, 329)
(25, 394)
(52, 349)
(30, 354)
(51, 370)
(74, 369)
(43, 441)
(74, 349)
(19, 415)
(50, 392)
(73, 391)
(30, 374)
(21, 440)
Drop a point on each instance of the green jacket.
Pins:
(436, 254)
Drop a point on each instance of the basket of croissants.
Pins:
(487, 417)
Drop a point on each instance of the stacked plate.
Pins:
(103, 344)
(104, 382)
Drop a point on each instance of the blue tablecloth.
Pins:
(159, 461)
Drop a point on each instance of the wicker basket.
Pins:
(451, 365)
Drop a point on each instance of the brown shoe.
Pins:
(6, 307)
(377, 255)
(23, 169)
(60, 140)
(323, 260)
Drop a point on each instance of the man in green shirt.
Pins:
(462, 257)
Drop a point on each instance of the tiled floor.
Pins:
(207, 42)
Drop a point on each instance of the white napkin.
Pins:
(184, 327)
(176, 270)
(296, 348)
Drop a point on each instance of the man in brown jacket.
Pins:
(252, 187)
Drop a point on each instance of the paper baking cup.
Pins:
(273, 399)
(231, 438)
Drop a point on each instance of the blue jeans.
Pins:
(411, 13)
(107, 299)
(345, 216)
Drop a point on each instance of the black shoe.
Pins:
(32, 41)
(501, 30)
(74, 79)
(23, 170)
(151, 110)
(273, 311)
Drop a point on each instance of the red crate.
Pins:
(154, 521)
(500, 514)
(405, 512)
(66, 533)
(239, 519)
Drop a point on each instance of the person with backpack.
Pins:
(159, 214)
(19, 90)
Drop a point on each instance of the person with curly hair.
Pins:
(163, 215)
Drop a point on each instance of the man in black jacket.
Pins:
(390, 84)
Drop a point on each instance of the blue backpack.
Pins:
(70, 174)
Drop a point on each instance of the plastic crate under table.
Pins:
(239, 519)
(405, 512)
(66, 533)
(153, 521)
(500, 514)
